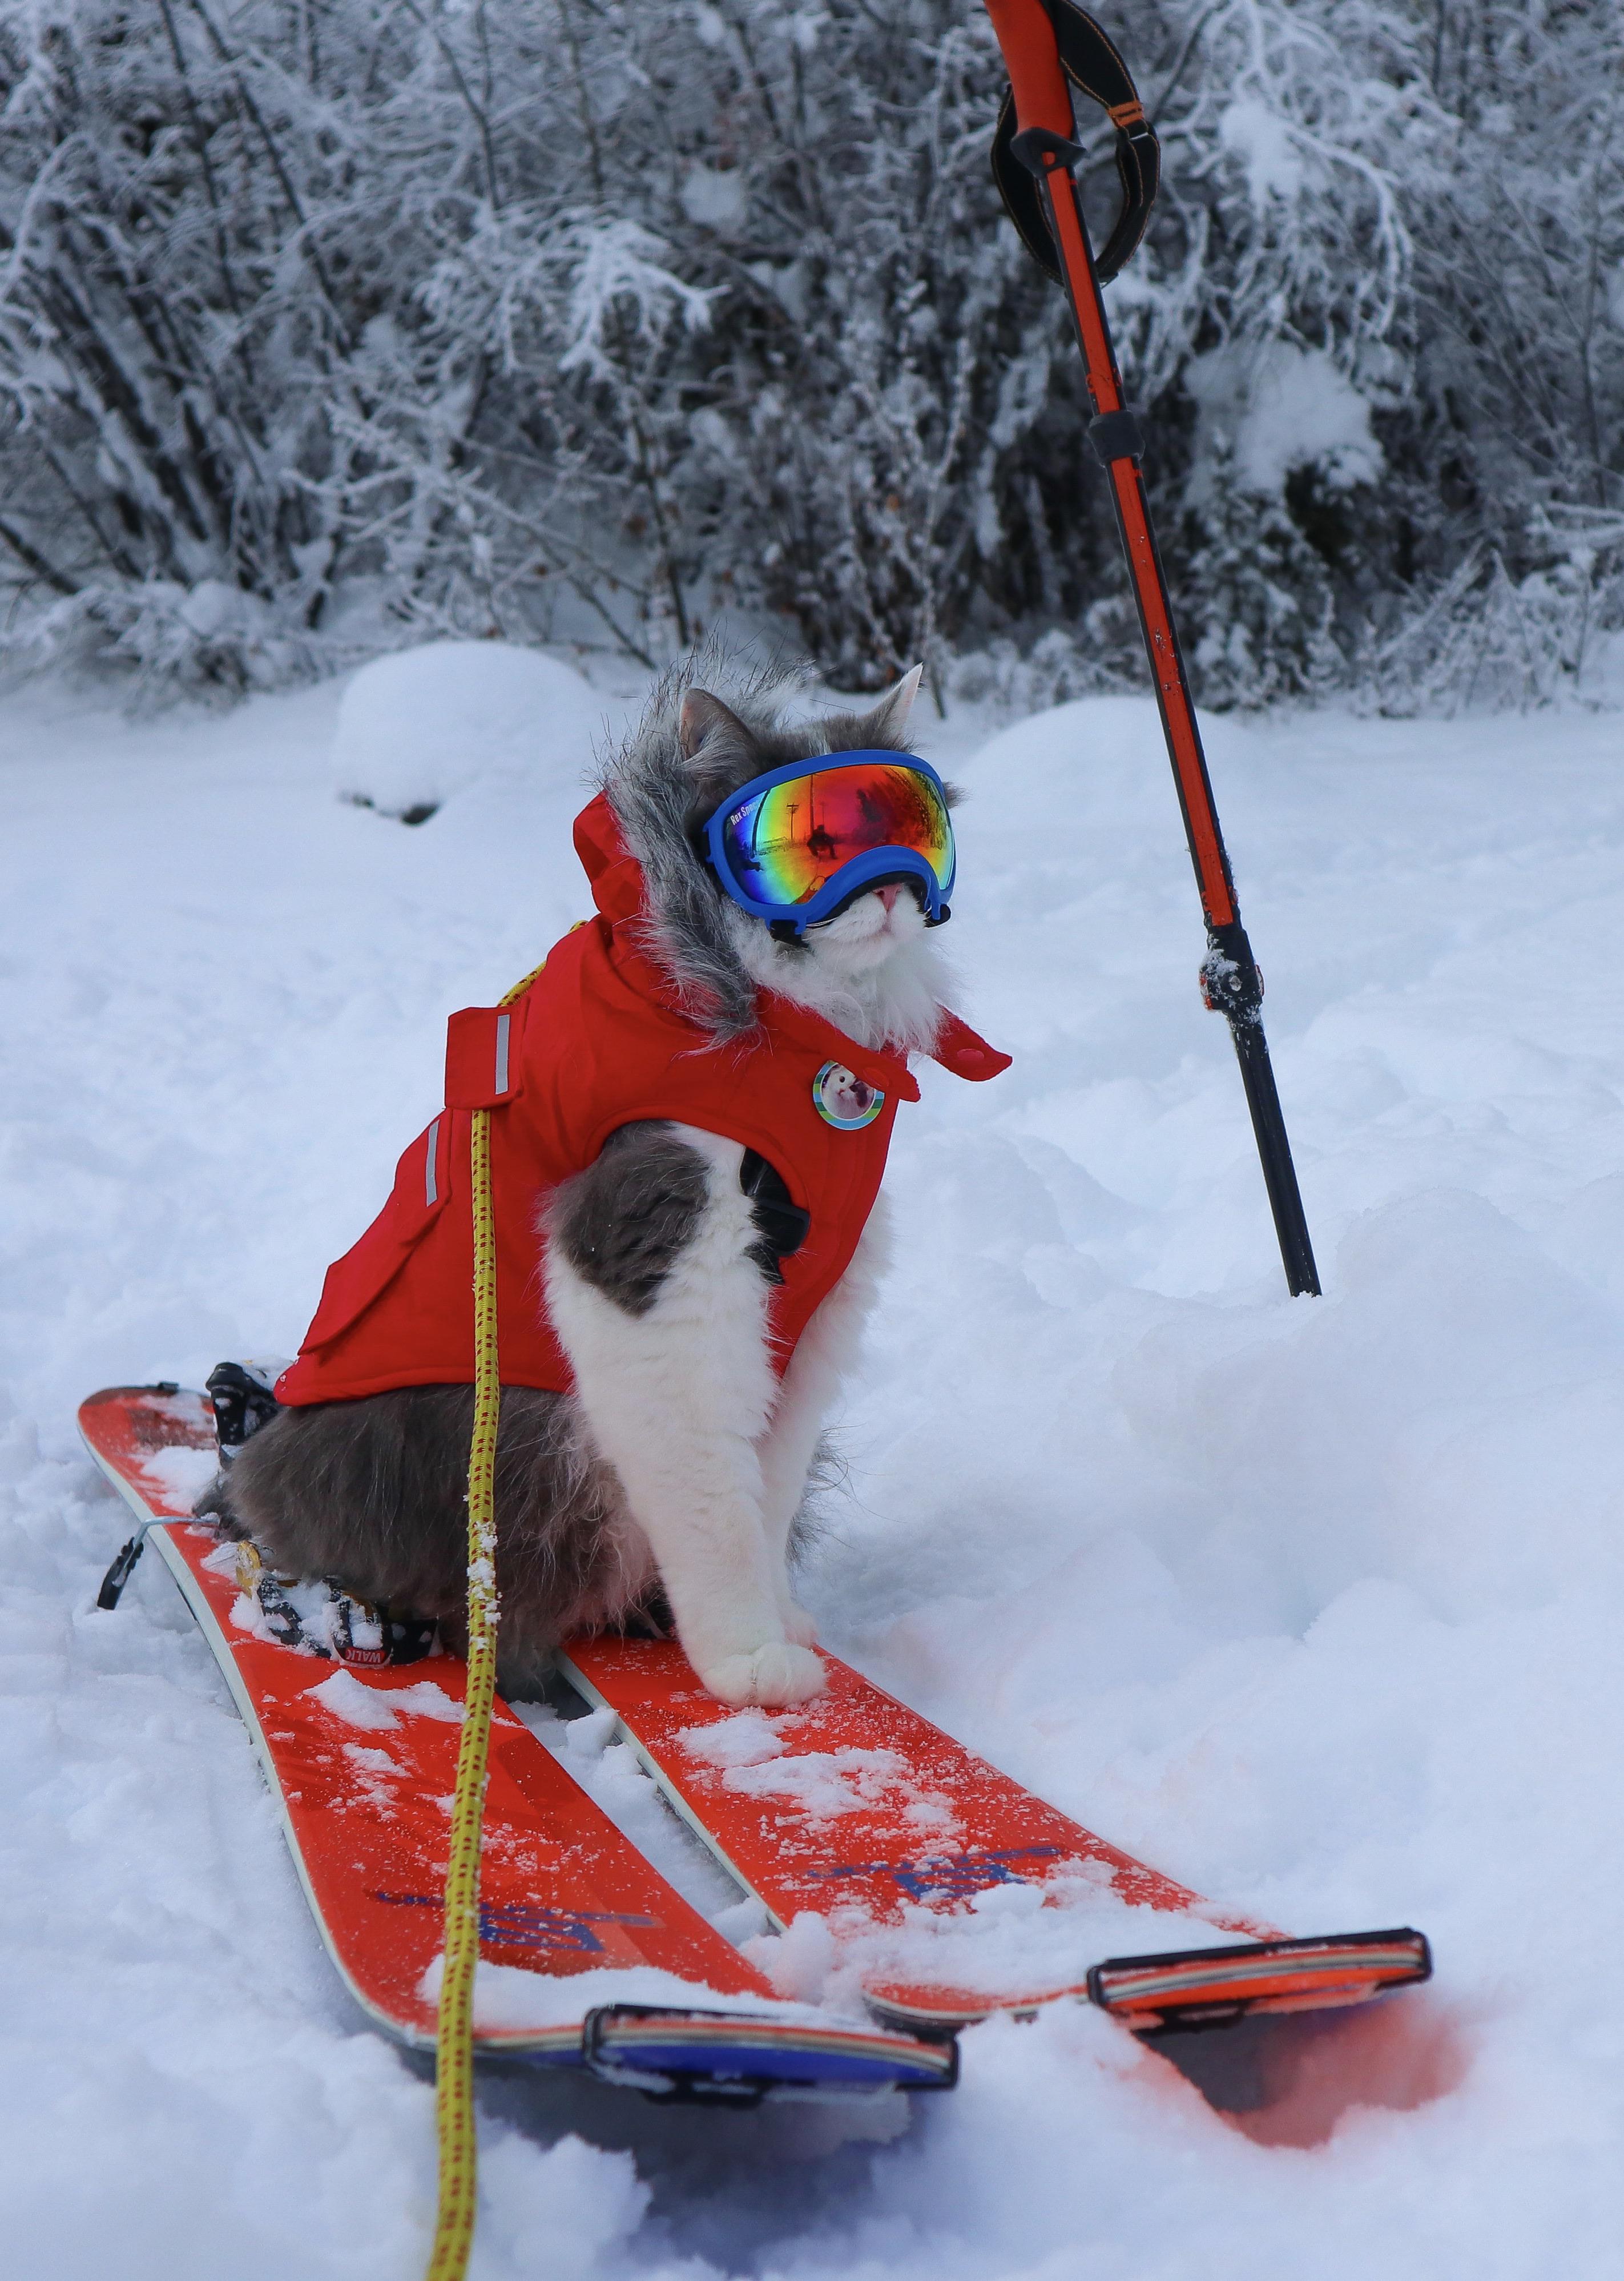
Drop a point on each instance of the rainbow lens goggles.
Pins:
(796, 846)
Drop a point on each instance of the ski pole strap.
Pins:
(453, 2049)
(1051, 47)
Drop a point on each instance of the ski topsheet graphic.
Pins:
(587, 1956)
(952, 1891)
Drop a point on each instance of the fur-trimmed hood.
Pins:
(659, 799)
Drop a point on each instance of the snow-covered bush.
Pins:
(321, 327)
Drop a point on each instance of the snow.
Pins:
(708, 196)
(507, 1996)
(744, 1740)
(181, 1474)
(823, 1783)
(1279, 407)
(419, 726)
(1315, 1604)
(1261, 138)
(344, 1697)
(1010, 1940)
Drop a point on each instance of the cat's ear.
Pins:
(707, 729)
(886, 726)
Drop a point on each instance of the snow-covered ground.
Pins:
(1315, 1604)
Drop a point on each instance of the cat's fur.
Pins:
(670, 1481)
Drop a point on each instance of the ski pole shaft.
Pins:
(1231, 983)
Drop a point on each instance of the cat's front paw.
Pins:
(779, 1674)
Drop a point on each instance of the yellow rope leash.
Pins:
(453, 2051)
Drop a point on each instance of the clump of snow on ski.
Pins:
(819, 1784)
(181, 1474)
(377, 1706)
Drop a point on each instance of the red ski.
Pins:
(587, 1956)
(956, 1892)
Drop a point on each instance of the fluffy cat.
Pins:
(668, 1485)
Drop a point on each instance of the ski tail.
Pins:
(1213, 1987)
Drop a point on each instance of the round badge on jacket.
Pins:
(843, 1099)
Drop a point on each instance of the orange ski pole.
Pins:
(1051, 48)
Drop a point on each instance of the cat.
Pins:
(670, 1482)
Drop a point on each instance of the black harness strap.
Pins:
(781, 1225)
(1094, 68)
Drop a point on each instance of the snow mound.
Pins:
(419, 726)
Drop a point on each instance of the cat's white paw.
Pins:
(801, 1627)
(778, 1674)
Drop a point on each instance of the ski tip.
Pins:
(1212, 1987)
(734, 2058)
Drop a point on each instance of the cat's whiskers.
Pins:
(874, 972)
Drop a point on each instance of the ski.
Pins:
(954, 1891)
(587, 1958)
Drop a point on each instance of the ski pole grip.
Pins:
(1031, 56)
(1051, 47)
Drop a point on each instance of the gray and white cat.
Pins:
(670, 1481)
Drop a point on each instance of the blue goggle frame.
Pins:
(875, 866)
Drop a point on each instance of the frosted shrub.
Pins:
(1101, 658)
(323, 327)
(1265, 600)
(1485, 638)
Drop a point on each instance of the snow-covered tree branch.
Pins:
(322, 317)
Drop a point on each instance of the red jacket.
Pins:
(595, 1043)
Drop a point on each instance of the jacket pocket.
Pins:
(483, 1055)
(422, 1183)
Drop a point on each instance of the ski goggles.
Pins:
(796, 846)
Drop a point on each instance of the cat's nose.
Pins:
(888, 896)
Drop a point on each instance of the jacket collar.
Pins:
(616, 880)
